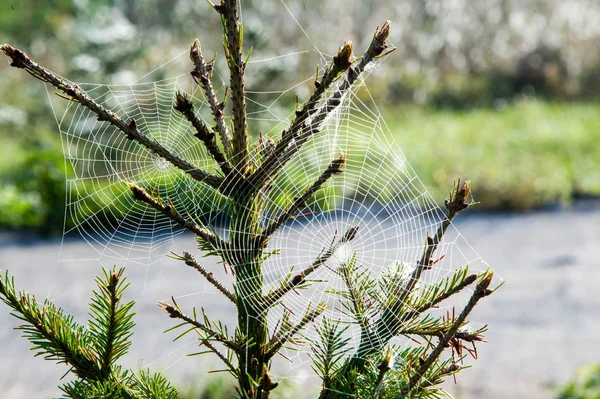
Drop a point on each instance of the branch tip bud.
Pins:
(337, 165)
(343, 59)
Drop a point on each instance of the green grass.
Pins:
(527, 155)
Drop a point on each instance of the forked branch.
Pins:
(130, 129)
(309, 122)
(481, 291)
(280, 339)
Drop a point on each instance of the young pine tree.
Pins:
(381, 307)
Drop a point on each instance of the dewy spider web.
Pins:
(378, 192)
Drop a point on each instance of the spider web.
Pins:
(379, 191)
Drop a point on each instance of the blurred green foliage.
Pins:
(585, 386)
(222, 386)
(522, 156)
(490, 110)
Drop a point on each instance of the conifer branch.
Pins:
(202, 74)
(110, 322)
(151, 386)
(389, 322)
(443, 296)
(54, 335)
(190, 260)
(274, 296)
(168, 210)
(481, 291)
(329, 350)
(335, 167)
(175, 313)
(456, 203)
(22, 61)
(354, 294)
(233, 42)
(203, 133)
(280, 339)
(221, 356)
(310, 121)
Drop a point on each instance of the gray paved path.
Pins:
(544, 322)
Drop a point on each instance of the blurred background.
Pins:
(502, 92)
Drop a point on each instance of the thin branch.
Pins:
(175, 313)
(186, 107)
(22, 61)
(273, 297)
(467, 336)
(168, 210)
(340, 63)
(465, 283)
(481, 291)
(221, 356)
(308, 126)
(386, 365)
(280, 339)
(202, 73)
(455, 204)
(335, 167)
(233, 40)
(189, 260)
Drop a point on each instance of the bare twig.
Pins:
(221, 356)
(202, 72)
(207, 136)
(273, 297)
(189, 260)
(168, 210)
(455, 204)
(386, 365)
(175, 313)
(334, 168)
(340, 63)
(22, 61)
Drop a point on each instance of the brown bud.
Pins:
(350, 234)
(337, 165)
(195, 51)
(182, 103)
(132, 124)
(381, 34)
(298, 279)
(470, 279)
(484, 283)
(343, 59)
(266, 383)
(139, 193)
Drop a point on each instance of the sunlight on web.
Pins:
(379, 191)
